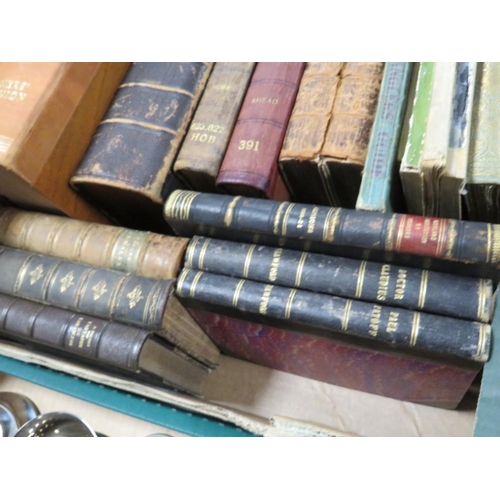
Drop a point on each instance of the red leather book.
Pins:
(250, 165)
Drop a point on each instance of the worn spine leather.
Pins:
(137, 252)
(447, 239)
(331, 146)
(391, 325)
(250, 165)
(206, 140)
(131, 155)
(405, 287)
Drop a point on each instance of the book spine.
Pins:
(136, 252)
(377, 181)
(390, 325)
(250, 164)
(406, 287)
(99, 292)
(85, 336)
(462, 241)
(206, 140)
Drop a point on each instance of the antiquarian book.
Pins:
(250, 165)
(381, 189)
(48, 114)
(190, 213)
(106, 343)
(206, 141)
(483, 180)
(104, 293)
(407, 287)
(387, 373)
(137, 252)
(327, 138)
(452, 180)
(127, 169)
(285, 306)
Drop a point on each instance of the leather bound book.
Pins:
(127, 168)
(250, 165)
(106, 294)
(137, 252)
(406, 287)
(346, 319)
(483, 180)
(107, 344)
(206, 141)
(327, 138)
(48, 114)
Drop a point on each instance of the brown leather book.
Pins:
(138, 252)
(106, 294)
(102, 343)
(250, 166)
(48, 114)
(326, 143)
(206, 141)
(127, 169)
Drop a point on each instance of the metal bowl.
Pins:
(21, 407)
(8, 425)
(56, 424)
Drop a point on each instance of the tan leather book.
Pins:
(138, 252)
(326, 143)
(48, 114)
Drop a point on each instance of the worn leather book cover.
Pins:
(389, 284)
(48, 114)
(127, 168)
(381, 188)
(250, 165)
(354, 321)
(137, 252)
(107, 294)
(206, 141)
(483, 179)
(106, 343)
(327, 138)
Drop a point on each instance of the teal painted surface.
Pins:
(488, 408)
(152, 411)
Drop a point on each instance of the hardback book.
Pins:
(452, 179)
(205, 144)
(126, 170)
(107, 344)
(426, 152)
(325, 146)
(107, 294)
(331, 230)
(137, 252)
(381, 189)
(348, 320)
(250, 165)
(482, 188)
(387, 284)
(48, 115)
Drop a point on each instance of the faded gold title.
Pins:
(13, 90)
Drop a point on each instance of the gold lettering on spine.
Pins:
(300, 268)
(484, 332)
(190, 251)
(277, 217)
(415, 326)
(74, 331)
(248, 258)
(400, 284)
(383, 283)
(452, 236)
(375, 320)
(391, 228)
(228, 217)
(126, 250)
(5, 143)
(285, 219)
(361, 278)
(495, 244)
(273, 270)
(236, 295)
(483, 312)
(288, 308)
(331, 222)
(192, 289)
(423, 289)
(264, 301)
(203, 250)
(312, 220)
(345, 318)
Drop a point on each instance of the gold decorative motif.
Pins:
(361, 277)
(345, 319)
(236, 295)
(331, 222)
(36, 274)
(414, 328)
(134, 297)
(228, 217)
(423, 289)
(99, 289)
(288, 308)
(67, 281)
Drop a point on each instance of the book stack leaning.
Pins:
(101, 296)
